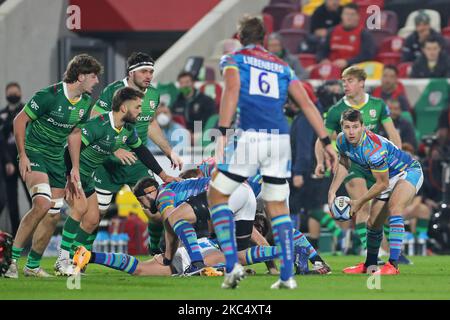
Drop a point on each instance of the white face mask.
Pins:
(163, 119)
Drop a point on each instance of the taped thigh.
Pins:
(104, 198)
(41, 190)
(57, 206)
(275, 192)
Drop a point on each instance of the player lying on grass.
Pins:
(187, 217)
(88, 147)
(398, 177)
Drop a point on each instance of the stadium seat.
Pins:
(380, 35)
(389, 58)
(179, 119)
(307, 59)
(391, 44)
(409, 27)
(325, 71)
(447, 40)
(296, 20)
(364, 4)
(296, 3)
(168, 92)
(278, 12)
(446, 31)
(373, 69)
(389, 21)
(213, 90)
(292, 39)
(268, 22)
(404, 70)
(210, 74)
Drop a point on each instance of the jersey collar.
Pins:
(111, 121)
(366, 99)
(66, 93)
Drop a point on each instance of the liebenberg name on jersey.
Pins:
(61, 125)
(270, 66)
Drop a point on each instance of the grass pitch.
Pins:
(428, 278)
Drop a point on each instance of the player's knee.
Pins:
(104, 198)
(41, 205)
(91, 222)
(275, 192)
(57, 205)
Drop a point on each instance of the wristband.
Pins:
(325, 141)
(223, 130)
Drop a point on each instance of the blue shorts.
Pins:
(413, 174)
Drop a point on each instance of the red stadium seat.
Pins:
(307, 59)
(296, 21)
(446, 31)
(379, 36)
(389, 58)
(292, 39)
(325, 71)
(179, 119)
(268, 23)
(391, 44)
(296, 3)
(364, 4)
(213, 90)
(278, 12)
(404, 70)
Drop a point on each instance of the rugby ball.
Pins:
(341, 209)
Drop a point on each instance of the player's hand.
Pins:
(9, 168)
(24, 166)
(126, 157)
(175, 160)
(273, 271)
(331, 158)
(355, 206)
(166, 178)
(320, 170)
(298, 181)
(331, 198)
(75, 181)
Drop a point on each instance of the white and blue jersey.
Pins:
(264, 88)
(375, 153)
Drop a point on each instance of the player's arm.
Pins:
(20, 125)
(259, 240)
(392, 133)
(157, 136)
(338, 178)
(300, 97)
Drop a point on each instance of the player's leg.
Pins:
(40, 191)
(302, 243)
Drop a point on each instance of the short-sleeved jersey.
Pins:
(149, 104)
(265, 80)
(53, 118)
(375, 153)
(172, 194)
(101, 139)
(374, 112)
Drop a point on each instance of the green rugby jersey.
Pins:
(374, 112)
(53, 118)
(101, 139)
(149, 104)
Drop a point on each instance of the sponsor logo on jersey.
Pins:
(435, 97)
(152, 104)
(97, 148)
(85, 132)
(373, 113)
(81, 113)
(34, 105)
(34, 164)
(102, 103)
(144, 118)
(124, 139)
(71, 108)
(59, 108)
(61, 125)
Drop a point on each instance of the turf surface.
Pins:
(428, 278)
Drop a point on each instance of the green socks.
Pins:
(16, 252)
(81, 239)
(155, 230)
(361, 231)
(327, 221)
(421, 226)
(69, 233)
(34, 260)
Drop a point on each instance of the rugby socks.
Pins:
(81, 239)
(260, 254)
(186, 233)
(282, 233)
(301, 241)
(90, 240)
(327, 221)
(396, 233)
(34, 259)
(374, 238)
(69, 233)
(223, 221)
(155, 230)
(361, 231)
(421, 226)
(386, 231)
(16, 252)
(117, 261)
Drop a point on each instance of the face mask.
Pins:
(13, 99)
(186, 91)
(163, 119)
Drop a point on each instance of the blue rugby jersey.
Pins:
(376, 153)
(264, 88)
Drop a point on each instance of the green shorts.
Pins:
(88, 184)
(55, 169)
(113, 175)
(356, 171)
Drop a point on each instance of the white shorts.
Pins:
(243, 203)
(270, 153)
(181, 260)
(413, 175)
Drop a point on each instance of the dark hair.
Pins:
(251, 30)
(12, 84)
(192, 173)
(141, 186)
(183, 74)
(391, 67)
(81, 64)
(351, 5)
(431, 39)
(123, 95)
(137, 57)
(351, 115)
